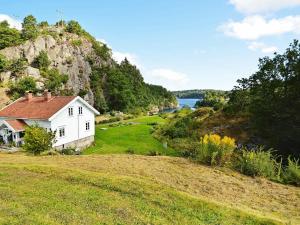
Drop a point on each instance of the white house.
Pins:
(71, 117)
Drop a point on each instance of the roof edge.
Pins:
(75, 99)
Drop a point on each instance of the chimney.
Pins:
(47, 95)
(28, 96)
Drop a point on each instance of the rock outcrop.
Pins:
(68, 58)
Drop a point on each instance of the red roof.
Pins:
(36, 108)
(17, 125)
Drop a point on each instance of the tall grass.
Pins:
(214, 150)
(217, 151)
(258, 163)
(291, 173)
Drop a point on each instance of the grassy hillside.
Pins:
(136, 189)
(129, 135)
(123, 189)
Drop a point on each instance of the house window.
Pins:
(71, 111)
(61, 132)
(80, 110)
(87, 125)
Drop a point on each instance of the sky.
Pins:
(180, 44)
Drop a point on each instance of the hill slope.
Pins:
(137, 189)
(91, 72)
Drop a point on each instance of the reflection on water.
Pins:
(187, 102)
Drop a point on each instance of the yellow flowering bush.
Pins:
(215, 150)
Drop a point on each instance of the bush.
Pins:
(4, 63)
(77, 42)
(257, 163)
(43, 24)
(214, 150)
(37, 139)
(50, 152)
(291, 173)
(42, 61)
(17, 66)
(153, 153)
(9, 36)
(18, 88)
(68, 151)
(130, 151)
(110, 120)
(82, 92)
(74, 27)
(55, 80)
(215, 99)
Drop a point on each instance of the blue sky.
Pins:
(180, 44)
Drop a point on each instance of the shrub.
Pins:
(214, 150)
(42, 61)
(17, 66)
(215, 99)
(153, 153)
(291, 173)
(4, 63)
(50, 152)
(82, 92)
(37, 139)
(130, 151)
(43, 24)
(203, 112)
(110, 120)
(55, 80)
(74, 27)
(9, 36)
(77, 42)
(257, 163)
(68, 151)
(18, 88)
(180, 129)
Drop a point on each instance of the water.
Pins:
(187, 101)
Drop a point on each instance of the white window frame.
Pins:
(64, 132)
(87, 125)
(71, 111)
(80, 110)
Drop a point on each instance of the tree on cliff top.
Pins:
(29, 26)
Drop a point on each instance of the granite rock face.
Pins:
(68, 58)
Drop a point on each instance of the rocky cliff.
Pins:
(64, 55)
(73, 53)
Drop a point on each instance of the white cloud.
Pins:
(120, 56)
(168, 78)
(255, 27)
(170, 75)
(262, 6)
(255, 46)
(102, 40)
(132, 58)
(12, 22)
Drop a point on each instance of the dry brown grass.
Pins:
(237, 127)
(102, 118)
(258, 196)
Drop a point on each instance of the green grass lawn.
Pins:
(134, 134)
(39, 194)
